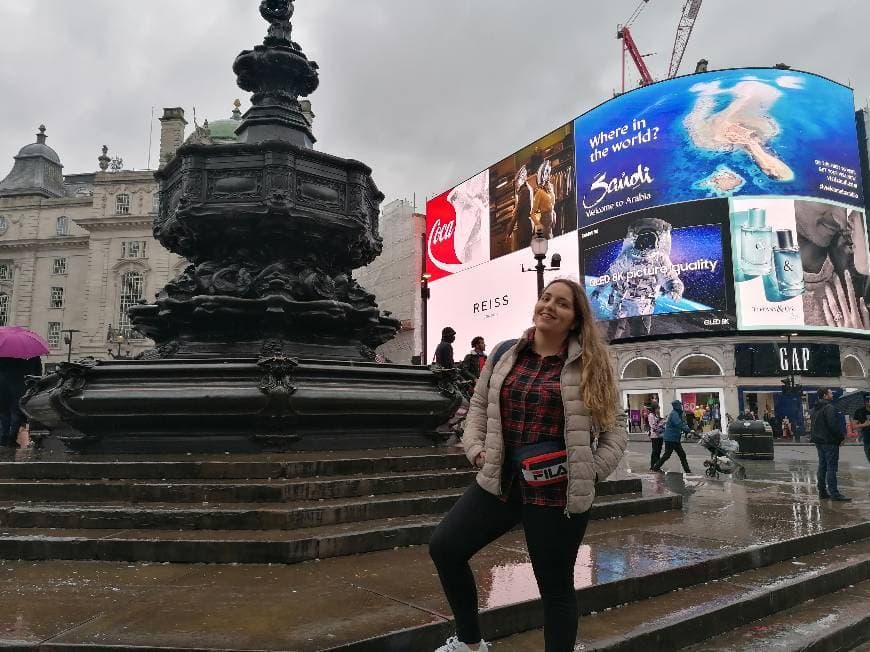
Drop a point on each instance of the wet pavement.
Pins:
(325, 604)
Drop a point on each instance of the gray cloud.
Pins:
(427, 93)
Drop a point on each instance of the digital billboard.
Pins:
(718, 134)
(660, 271)
(800, 262)
(711, 202)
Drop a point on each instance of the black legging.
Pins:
(552, 539)
(671, 447)
(656, 451)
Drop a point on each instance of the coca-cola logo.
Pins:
(440, 246)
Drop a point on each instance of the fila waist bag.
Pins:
(542, 464)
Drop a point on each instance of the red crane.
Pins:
(684, 31)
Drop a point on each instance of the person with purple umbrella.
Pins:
(20, 349)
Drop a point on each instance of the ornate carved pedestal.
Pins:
(265, 340)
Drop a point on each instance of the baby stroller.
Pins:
(722, 451)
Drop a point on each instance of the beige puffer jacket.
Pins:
(590, 457)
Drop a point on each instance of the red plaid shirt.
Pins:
(532, 411)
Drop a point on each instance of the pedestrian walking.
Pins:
(827, 435)
(656, 426)
(862, 421)
(543, 430)
(444, 350)
(472, 364)
(674, 428)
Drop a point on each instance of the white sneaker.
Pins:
(453, 644)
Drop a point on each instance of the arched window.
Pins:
(852, 367)
(641, 368)
(697, 365)
(132, 292)
(62, 225)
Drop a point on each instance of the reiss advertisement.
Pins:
(457, 228)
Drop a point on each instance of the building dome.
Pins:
(37, 171)
(223, 131)
(39, 149)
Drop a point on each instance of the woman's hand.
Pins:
(843, 309)
(480, 460)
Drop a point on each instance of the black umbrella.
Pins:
(849, 403)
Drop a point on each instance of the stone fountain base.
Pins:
(241, 405)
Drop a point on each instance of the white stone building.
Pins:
(77, 250)
(394, 277)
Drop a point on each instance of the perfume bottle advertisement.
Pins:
(800, 262)
(660, 271)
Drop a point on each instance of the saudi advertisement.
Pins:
(711, 202)
(718, 134)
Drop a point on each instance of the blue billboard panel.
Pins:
(661, 271)
(718, 134)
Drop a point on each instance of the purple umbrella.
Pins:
(20, 342)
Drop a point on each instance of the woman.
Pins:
(539, 395)
(519, 229)
(656, 425)
(672, 434)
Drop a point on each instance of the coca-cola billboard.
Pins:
(457, 228)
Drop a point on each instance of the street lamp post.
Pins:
(539, 250)
(117, 354)
(424, 295)
(789, 383)
(68, 341)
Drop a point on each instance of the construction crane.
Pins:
(684, 31)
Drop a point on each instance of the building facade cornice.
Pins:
(66, 242)
(115, 222)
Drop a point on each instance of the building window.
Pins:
(5, 272)
(697, 365)
(122, 204)
(133, 249)
(852, 367)
(132, 292)
(56, 298)
(4, 225)
(59, 266)
(155, 202)
(4, 309)
(62, 225)
(54, 334)
(641, 368)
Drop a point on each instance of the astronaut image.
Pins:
(637, 277)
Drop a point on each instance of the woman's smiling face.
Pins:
(554, 311)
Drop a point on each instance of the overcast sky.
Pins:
(427, 92)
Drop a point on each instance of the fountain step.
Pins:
(247, 516)
(260, 546)
(226, 467)
(232, 490)
(678, 619)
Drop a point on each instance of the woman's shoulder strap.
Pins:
(500, 350)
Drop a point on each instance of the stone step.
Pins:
(678, 619)
(254, 490)
(515, 626)
(199, 491)
(266, 516)
(260, 546)
(240, 467)
(838, 621)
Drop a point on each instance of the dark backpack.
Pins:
(500, 350)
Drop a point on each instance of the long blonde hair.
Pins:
(597, 379)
